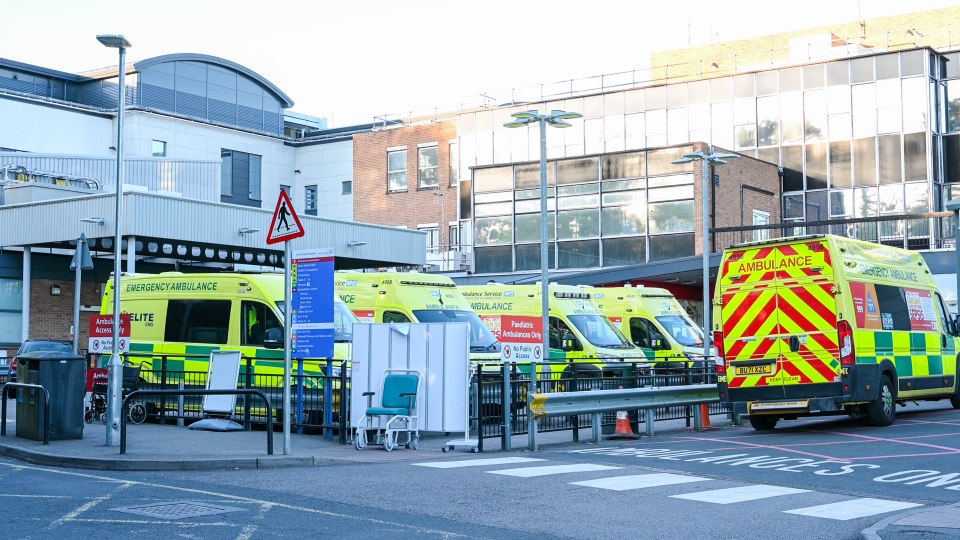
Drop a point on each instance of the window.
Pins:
(256, 319)
(427, 159)
(395, 317)
(286, 189)
(310, 200)
(454, 164)
(159, 148)
(240, 178)
(11, 310)
(226, 173)
(433, 238)
(346, 187)
(397, 170)
(885, 307)
(761, 218)
(454, 236)
(254, 178)
(198, 321)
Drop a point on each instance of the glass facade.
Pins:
(857, 137)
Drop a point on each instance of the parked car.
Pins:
(34, 345)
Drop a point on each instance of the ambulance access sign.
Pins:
(101, 334)
(521, 339)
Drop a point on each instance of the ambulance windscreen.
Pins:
(682, 331)
(481, 338)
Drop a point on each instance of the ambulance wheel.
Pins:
(882, 411)
(955, 398)
(763, 423)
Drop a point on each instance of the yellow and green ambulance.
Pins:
(405, 297)
(579, 334)
(824, 325)
(654, 321)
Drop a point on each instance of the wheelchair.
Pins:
(97, 410)
(399, 390)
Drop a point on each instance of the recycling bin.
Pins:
(64, 377)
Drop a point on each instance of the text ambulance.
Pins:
(405, 297)
(819, 325)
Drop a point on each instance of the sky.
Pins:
(352, 61)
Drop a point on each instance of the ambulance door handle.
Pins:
(794, 344)
(943, 341)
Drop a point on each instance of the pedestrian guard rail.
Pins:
(42, 391)
(596, 402)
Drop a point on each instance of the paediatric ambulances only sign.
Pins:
(521, 339)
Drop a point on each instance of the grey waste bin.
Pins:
(64, 377)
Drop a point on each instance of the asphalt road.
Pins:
(809, 479)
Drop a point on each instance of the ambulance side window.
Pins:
(559, 330)
(638, 332)
(948, 322)
(256, 318)
(395, 316)
(197, 321)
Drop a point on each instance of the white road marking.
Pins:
(856, 508)
(247, 532)
(739, 494)
(476, 462)
(83, 508)
(639, 481)
(529, 472)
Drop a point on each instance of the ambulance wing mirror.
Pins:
(659, 344)
(955, 325)
(570, 343)
(273, 338)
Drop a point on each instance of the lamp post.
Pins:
(556, 119)
(707, 160)
(954, 206)
(115, 367)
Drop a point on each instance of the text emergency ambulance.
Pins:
(578, 332)
(654, 321)
(820, 325)
(404, 297)
(192, 314)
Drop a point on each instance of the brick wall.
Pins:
(51, 316)
(939, 28)
(731, 211)
(372, 203)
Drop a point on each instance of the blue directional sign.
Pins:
(312, 311)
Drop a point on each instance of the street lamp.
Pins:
(115, 367)
(707, 160)
(556, 119)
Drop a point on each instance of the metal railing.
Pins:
(244, 392)
(46, 407)
(595, 402)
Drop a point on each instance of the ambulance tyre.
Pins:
(882, 411)
(763, 423)
(955, 398)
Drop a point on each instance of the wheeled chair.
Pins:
(136, 414)
(399, 390)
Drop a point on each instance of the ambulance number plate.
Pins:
(746, 371)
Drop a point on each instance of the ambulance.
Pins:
(405, 297)
(185, 316)
(654, 321)
(578, 332)
(826, 325)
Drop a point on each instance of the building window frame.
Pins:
(346, 187)
(310, 200)
(433, 236)
(158, 148)
(428, 166)
(396, 170)
(761, 217)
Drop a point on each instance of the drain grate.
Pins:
(177, 509)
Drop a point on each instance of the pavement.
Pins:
(156, 447)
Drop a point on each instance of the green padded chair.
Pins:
(399, 390)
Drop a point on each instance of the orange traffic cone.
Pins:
(705, 417)
(623, 430)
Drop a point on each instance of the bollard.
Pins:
(531, 422)
(648, 420)
(507, 407)
(180, 407)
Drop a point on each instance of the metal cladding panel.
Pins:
(193, 179)
(55, 221)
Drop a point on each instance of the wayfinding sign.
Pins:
(101, 334)
(312, 309)
(521, 338)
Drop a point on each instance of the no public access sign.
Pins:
(521, 338)
(101, 334)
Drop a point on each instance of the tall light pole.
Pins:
(707, 160)
(556, 119)
(115, 367)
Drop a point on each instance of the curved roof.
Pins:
(285, 99)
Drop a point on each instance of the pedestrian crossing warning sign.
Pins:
(285, 224)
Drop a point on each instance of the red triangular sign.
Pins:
(285, 224)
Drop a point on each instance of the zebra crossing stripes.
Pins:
(476, 462)
(530, 472)
(739, 494)
(639, 481)
(853, 509)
